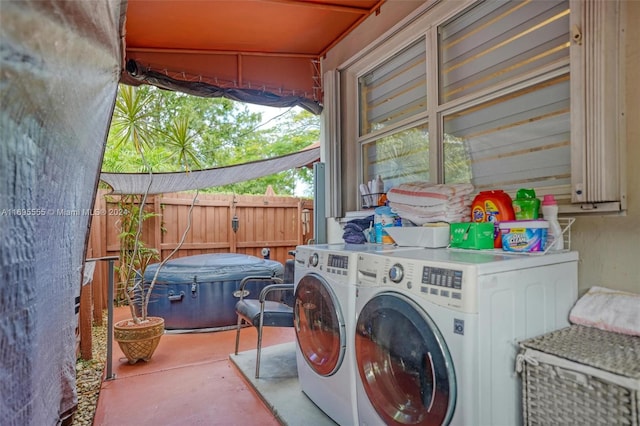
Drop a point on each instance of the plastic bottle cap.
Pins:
(524, 194)
(548, 200)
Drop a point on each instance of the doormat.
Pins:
(278, 385)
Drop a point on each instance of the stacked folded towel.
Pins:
(424, 202)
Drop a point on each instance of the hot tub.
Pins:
(197, 292)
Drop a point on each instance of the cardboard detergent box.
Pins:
(472, 235)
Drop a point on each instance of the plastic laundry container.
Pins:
(524, 235)
(197, 292)
(493, 206)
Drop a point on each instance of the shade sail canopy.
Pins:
(158, 183)
(241, 49)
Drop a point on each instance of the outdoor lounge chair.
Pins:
(262, 312)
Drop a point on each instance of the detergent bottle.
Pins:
(492, 206)
(526, 205)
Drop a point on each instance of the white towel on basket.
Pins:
(608, 309)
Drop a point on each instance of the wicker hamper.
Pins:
(580, 375)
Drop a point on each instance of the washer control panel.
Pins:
(443, 282)
(442, 277)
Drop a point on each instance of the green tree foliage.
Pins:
(132, 122)
(181, 142)
(457, 165)
(172, 131)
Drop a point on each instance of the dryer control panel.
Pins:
(334, 264)
(447, 285)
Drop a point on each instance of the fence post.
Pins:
(300, 232)
(98, 241)
(233, 240)
(85, 319)
(109, 374)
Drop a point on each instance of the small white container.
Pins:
(429, 235)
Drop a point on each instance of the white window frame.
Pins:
(425, 24)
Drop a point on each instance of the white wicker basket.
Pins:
(580, 375)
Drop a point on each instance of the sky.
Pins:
(268, 113)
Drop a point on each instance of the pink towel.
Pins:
(609, 310)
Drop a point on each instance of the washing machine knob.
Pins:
(396, 273)
(313, 259)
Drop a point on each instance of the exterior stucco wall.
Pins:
(392, 12)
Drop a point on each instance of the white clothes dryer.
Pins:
(324, 317)
(437, 332)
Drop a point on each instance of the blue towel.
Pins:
(354, 230)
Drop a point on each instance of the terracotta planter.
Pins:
(138, 341)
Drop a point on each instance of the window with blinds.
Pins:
(496, 41)
(395, 143)
(395, 90)
(518, 137)
(517, 141)
(504, 94)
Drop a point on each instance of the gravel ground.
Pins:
(89, 376)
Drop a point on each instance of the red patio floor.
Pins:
(188, 381)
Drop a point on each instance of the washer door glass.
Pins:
(319, 325)
(403, 362)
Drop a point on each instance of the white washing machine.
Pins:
(437, 332)
(325, 277)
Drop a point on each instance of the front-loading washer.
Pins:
(437, 332)
(324, 318)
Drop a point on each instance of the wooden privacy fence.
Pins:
(277, 223)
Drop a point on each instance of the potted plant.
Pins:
(134, 125)
(139, 335)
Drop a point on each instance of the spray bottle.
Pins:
(555, 240)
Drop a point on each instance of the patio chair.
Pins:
(262, 312)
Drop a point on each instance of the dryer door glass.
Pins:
(319, 325)
(403, 362)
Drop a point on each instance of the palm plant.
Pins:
(134, 255)
(180, 141)
(132, 122)
(134, 125)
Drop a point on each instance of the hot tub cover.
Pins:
(213, 267)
